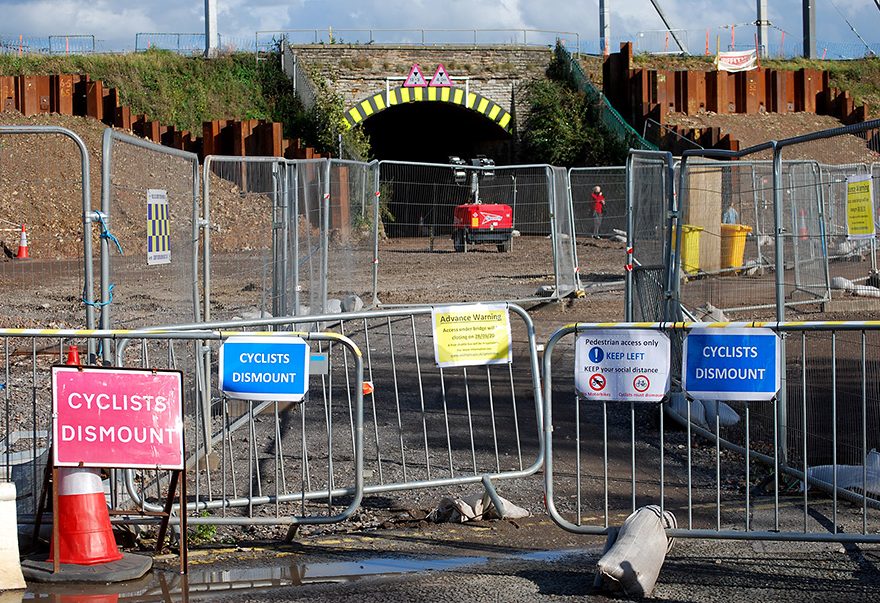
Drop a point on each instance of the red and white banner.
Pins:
(110, 417)
(739, 60)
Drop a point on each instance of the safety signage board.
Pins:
(470, 335)
(264, 368)
(859, 207)
(622, 364)
(112, 417)
(731, 364)
(415, 79)
(441, 77)
(158, 231)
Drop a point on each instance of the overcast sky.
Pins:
(117, 21)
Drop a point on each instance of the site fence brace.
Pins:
(706, 475)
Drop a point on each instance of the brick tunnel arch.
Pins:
(448, 94)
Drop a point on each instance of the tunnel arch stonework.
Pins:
(456, 95)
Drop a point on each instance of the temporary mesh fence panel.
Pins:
(612, 182)
(41, 180)
(309, 238)
(845, 253)
(351, 235)
(152, 233)
(648, 181)
(245, 203)
(418, 208)
(565, 262)
(729, 235)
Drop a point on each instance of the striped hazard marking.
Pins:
(448, 94)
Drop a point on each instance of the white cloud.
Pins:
(118, 20)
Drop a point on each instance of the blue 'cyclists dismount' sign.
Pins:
(731, 364)
(264, 368)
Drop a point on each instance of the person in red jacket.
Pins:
(598, 210)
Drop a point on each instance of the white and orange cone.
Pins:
(23, 246)
(85, 536)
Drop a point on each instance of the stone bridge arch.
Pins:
(448, 94)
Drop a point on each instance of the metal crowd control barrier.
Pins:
(427, 427)
(299, 442)
(737, 470)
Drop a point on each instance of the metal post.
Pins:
(377, 199)
(551, 196)
(809, 21)
(106, 165)
(628, 289)
(604, 28)
(325, 238)
(781, 407)
(294, 218)
(211, 38)
(762, 23)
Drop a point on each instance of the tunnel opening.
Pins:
(421, 198)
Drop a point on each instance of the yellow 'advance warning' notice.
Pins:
(471, 335)
(859, 207)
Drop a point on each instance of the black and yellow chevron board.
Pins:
(450, 94)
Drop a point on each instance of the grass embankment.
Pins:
(185, 91)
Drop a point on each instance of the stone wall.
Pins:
(497, 72)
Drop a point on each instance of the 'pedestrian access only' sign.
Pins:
(622, 365)
(731, 364)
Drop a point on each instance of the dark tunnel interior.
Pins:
(430, 132)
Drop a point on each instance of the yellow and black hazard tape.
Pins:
(449, 94)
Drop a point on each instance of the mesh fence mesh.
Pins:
(29, 193)
(648, 182)
(152, 289)
(612, 182)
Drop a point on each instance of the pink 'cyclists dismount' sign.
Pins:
(112, 417)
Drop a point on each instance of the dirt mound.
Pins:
(41, 187)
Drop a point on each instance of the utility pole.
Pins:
(211, 39)
(809, 13)
(605, 27)
(761, 24)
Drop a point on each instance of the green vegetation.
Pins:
(186, 91)
(564, 128)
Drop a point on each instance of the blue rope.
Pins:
(106, 234)
(97, 304)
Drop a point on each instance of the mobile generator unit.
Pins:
(475, 222)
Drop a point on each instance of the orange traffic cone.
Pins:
(23, 246)
(85, 536)
(803, 231)
(72, 356)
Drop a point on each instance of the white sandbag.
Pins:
(726, 415)
(851, 476)
(633, 562)
(838, 282)
(678, 403)
(474, 507)
(865, 291)
(11, 577)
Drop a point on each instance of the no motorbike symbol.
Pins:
(641, 384)
(597, 382)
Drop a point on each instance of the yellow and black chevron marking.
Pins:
(398, 96)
